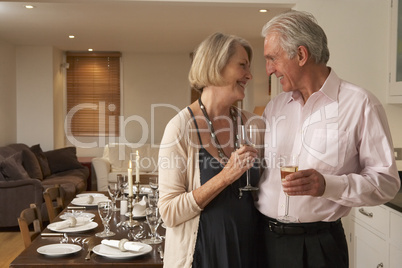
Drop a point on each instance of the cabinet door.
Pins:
(370, 250)
(395, 257)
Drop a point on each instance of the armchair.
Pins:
(115, 160)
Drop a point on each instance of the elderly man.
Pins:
(341, 135)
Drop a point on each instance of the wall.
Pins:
(58, 98)
(35, 96)
(8, 118)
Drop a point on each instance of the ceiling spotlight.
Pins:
(263, 10)
(90, 49)
(71, 36)
(29, 6)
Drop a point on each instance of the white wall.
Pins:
(8, 118)
(35, 96)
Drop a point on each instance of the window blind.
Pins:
(93, 94)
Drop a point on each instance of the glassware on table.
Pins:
(153, 200)
(122, 181)
(153, 183)
(114, 191)
(248, 136)
(153, 216)
(288, 165)
(105, 213)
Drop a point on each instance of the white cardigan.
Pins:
(179, 174)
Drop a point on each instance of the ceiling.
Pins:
(124, 25)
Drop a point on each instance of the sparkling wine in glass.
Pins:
(114, 191)
(105, 213)
(248, 137)
(152, 216)
(288, 164)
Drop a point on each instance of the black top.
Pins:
(227, 232)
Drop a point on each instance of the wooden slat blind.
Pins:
(93, 93)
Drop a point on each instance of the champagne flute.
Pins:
(248, 137)
(114, 191)
(288, 164)
(152, 215)
(105, 213)
(123, 183)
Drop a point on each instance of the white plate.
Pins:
(88, 194)
(83, 201)
(115, 253)
(82, 228)
(58, 249)
(66, 215)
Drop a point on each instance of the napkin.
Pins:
(127, 245)
(90, 199)
(139, 208)
(71, 222)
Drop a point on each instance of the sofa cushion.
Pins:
(12, 168)
(76, 177)
(2, 177)
(31, 164)
(62, 159)
(44, 165)
(119, 156)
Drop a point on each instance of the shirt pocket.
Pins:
(326, 150)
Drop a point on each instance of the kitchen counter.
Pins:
(396, 203)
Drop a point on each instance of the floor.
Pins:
(11, 245)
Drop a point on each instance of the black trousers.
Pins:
(320, 245)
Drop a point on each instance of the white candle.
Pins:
(130, 179)
(137, 167)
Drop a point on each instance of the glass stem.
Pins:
(248, 177)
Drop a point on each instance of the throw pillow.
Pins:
(2, 177)
(12, 168)
(31, 164)
(62, 159)
(44, 165)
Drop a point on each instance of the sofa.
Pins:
(25, 172)
(115, 160)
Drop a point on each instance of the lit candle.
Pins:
(130, 179)
(137, 167)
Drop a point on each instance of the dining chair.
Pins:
(30, 217)
(54, 199)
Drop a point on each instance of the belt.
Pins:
(299, 228)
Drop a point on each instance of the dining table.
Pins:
(30, 257)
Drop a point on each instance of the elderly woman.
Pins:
(210, 222)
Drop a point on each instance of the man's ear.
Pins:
(302, 55)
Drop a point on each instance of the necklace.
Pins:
(218, 146)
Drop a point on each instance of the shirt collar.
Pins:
(330, 88)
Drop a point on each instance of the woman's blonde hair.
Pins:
(211, 56)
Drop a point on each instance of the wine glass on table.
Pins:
(122, 181)
(248, 136)
(114, 191)
(105, 213)
(288, 165)
(153, 183)
(152, 216)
